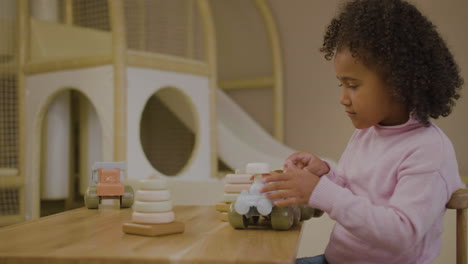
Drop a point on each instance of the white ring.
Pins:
(152, 195)
(153, 218)
(152, 207)
(151, 184)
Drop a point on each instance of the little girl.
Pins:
(389, 190)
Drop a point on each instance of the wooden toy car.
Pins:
(107, 179)
(280, 218)
(252, 207)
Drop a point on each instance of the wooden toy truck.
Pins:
(107, 184)
(253, 208)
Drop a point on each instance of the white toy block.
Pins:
(257, 168)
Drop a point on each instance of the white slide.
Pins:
(241, 140)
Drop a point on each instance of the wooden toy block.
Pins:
(224, 217)
(238, 178)
(236, 188)
(230, 197)
(222, 207)
(153, 230)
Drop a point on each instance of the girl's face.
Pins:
(366, 99)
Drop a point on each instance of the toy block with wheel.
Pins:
(252, 207)
(152, 212)
(107, 178)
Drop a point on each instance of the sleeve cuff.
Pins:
(324, 195)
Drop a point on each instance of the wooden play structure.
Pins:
(138, 81)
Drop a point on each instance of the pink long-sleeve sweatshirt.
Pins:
(388, 195)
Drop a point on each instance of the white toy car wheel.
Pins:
(242, 206)
(264, 206)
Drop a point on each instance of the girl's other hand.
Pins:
(308, 162)
(292, 188)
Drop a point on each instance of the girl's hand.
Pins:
(293, 187)
(308, 162)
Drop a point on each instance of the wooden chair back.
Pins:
(459, 202)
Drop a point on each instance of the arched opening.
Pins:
(71, 141)
(168, 131)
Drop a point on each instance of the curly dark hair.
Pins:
(403, 46)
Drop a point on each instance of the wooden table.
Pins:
(95, 236)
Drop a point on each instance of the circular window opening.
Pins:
(168, 130)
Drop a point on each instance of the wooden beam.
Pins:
(67, 64)
(12, 181)
(119, 54)
(141, 23)
(11, 219)
(10, 68)
(68, 11)
(278, 96)
(210, 56)
(167, 63)
(8, 172)
(461, 236)
(459, 200)
(190, 29)
(22, 54)
(263, 82)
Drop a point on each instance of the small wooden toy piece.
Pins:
(223, 216)
(154, 230)
(222, 207)
(152, 212)
(230, 197)
(236, 188)
(235, 184)
(107, 178)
